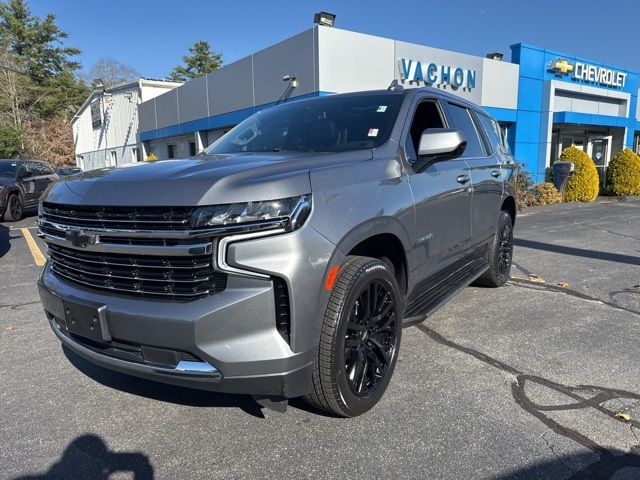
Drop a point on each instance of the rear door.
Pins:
(442, 196)
(27, 180)
(486, 173)
(47, 176)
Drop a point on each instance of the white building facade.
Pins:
(105, 128)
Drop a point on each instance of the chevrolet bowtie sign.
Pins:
(588, 73)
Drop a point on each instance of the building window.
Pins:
(96, 113)
(192, 149)
(114, 157)
(636, 143)
(135, 154)
(172, 150)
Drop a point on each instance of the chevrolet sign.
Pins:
(589, 73)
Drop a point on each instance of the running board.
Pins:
(427, 302)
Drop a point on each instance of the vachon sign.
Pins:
(436, 75)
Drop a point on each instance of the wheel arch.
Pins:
(509, 205)
(380, 238)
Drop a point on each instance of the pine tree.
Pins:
(36, 41)
(201, 61)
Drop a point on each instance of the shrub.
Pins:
(10, 141)
(545, 194)
(583, 184)
(623, 174)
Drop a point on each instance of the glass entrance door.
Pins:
(600, 154)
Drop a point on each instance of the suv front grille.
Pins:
(172, 277)
(143, 218)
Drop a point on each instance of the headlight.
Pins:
(289, 213)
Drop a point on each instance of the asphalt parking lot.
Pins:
(521, 382)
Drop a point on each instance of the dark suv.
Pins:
(22, 183)
(285, 261)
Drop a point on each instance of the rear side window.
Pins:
(493, 132)
(461, 119)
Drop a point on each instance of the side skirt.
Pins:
(432, 294)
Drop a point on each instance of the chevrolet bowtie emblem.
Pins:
(561, 66)
(79, 238)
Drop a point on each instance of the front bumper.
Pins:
(231, 335)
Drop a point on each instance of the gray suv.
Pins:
(285, 260)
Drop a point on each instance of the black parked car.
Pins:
(66, 171)
(22, 182)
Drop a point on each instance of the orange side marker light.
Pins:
(331, 277)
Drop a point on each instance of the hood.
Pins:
(206, 180)
(7, 181)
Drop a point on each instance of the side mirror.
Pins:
(441, 143)
(23, 173)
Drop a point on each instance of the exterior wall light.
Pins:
(324, 18)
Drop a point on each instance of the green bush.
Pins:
(545, 194)
(583, 184)
(10, 141)
(623, 174)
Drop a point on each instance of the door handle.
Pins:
(496, 173)
(463, 179)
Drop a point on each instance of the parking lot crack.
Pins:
(609, 462)
(524, 283)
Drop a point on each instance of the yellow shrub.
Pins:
(546, 194)
(583, 184)
(151, 157)
(623, 174)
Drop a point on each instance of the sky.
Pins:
(152, 36)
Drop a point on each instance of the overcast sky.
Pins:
(153, 36)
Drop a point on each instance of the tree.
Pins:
(39, 91)
(10, 141)
(50, 140)
(111, 72)
(201, 61)
(36, 41)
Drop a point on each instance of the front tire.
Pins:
(360, 339)
(13, 213)
(499, 254)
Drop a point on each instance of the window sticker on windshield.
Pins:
(382, 108)
(373, 132)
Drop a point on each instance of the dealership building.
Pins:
(545, 100)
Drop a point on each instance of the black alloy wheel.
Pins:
(370, 340)
(14, 209)
(499, 254)
(359, 339)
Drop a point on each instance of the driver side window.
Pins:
(427, 115)
(25, 171)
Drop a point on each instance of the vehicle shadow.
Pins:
(88, 457)
(579, 252)
(584, 466)
(161, 391)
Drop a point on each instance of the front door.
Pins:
(599, 152)
(442, 198)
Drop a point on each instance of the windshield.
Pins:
(8, 169)
(330, 124)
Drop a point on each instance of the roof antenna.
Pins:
(395, 86)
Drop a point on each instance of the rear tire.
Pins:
(13, 213)
(359, 340)
(499, 254)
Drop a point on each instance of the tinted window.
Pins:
(461, 120)
(427, 116)
(329, 124)
(8, 169)
(493, 131)
(46, 169)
